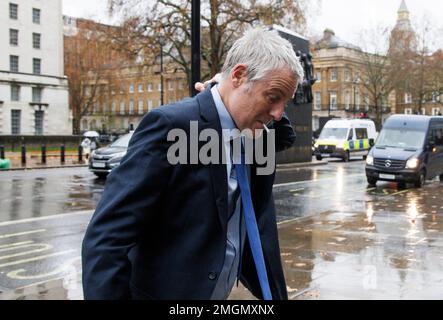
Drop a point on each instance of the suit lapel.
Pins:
(209, 115)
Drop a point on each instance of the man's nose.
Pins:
(277, 113)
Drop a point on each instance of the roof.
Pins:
(403, 7)
(410, 121)
(331, 41)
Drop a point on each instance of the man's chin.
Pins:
(253, 133)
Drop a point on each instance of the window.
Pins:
(438, 136)
(408, 110)
(423, 111)
(361, 133)
(436, 111)
(122, 107)
(357, 101)
(366, 103)
(13, 11)
(39, 116)
(13, 37)
(112, 90)
(15, 121)
(317, 100)
(140, 87)
(180, 85)
(347, 100)
(37, 95)
(318, 76)
(149, 87)
(36, 40)
(131, 106)
(36, 66)
(131, 88)
(113, 108)
(159, 87)
(333, 101)
(159, 103)
(13, 63)
(105, 108)
(408, 98)
(333, 74)
(96, 108)
(435, 97)
(347, 75)
(15, 93)
(170, 85)
(140, 106)
(36, 16)
(150, 105)
(351, 134)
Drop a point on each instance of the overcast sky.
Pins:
(345, 17)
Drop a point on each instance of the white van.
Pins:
(345, 138)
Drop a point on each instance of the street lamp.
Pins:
(161, 40)
(195, 45)
(355, 83)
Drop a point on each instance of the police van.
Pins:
(344, 139)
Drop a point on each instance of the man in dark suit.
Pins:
(176, 231)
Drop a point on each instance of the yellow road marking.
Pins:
(37, 258)
(3, 236)
(17, 274)
(11, 245)
(43, 246)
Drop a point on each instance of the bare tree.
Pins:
(89, 63)
(166, 24)
(380, 76)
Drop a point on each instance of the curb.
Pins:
(289, 166)
(51, 167)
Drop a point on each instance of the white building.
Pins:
(33, 88)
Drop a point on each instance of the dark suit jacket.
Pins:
(159, 230)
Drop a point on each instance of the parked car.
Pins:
(409, 149)
(104, 160)
(345, 138)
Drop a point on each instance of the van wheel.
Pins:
(319, 158)
(420, 180)
(101, 175)
(346, 157)
(372, 181)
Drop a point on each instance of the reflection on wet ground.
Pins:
(36, 193)
(339, 238)
(391, 247)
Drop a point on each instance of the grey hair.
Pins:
(262, 50)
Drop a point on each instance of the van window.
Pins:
(333, 133)
(361, 133)
(401, 138)
(437, 136)
(351, 134)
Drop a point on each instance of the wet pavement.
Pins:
(339, 238)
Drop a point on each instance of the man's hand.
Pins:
(202, 86)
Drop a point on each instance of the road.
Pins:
(333, 228)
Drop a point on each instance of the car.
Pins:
(104, 160)
(344, 138)
(409, 149)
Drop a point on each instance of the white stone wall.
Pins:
(57, 118)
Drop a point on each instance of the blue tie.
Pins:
(252, 228)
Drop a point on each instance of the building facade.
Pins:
(340, 90)
(116, 95)
(33, 88)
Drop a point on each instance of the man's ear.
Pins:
(239, 75)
